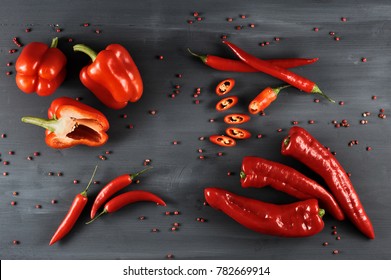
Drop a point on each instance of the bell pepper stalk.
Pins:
(112, 76)
(40, 68)
(72, 123)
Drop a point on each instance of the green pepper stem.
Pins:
(100, 214)
(202, 57)
(317, 90)
(277, 90)
(54, 42)
(242, 175)
(48, 124)
(84, 193)
(286, 141)
(321, 212)
(140, 172)
(85, 49)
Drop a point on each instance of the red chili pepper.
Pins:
(72, 123)
(78, 204)
(222, 140)
(111, 188)
(237, 133)
(278, 72)
(258, 172)
(264, 99)
(225, 86)
(226, 103)
(127, 198)
(225, 64)
(40, 68)
(112, 76)
(301, 145)
(300, 219)
(236, 118)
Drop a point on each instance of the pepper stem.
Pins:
(277, 90)
(286, 141)
(140, 172)
(242, 175)
(100, 214)
(54, 42)
(48, 124)
(321, 212)
(85, 49)
(317, 90)
(202, 57)
(84, 193)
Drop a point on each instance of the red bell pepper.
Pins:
(112, 76)
(298, 219)
(72, 123)
(40, 68)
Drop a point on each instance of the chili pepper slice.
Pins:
(127, 198)
(236, 118)
(222, 140)
(226, 103)
(225, 64)
(259, 172)
(281, 73)
(299, 219)
(238, 133)
(40, 68)
(225, 86)
(264, 99)
(111, 188)
(78, 204)
(301, 145)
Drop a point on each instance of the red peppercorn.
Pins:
(176, 224)
(259, 136)
(229, 19)
(220, 154)
(76, 181)
(252, 25)
(335, 252)
(167, 213)
(316, 100)
(141, 218)
(337, 38)
(325, 244)
(316, 29)
(173, 228)
(238, 27)
(8, 73)
(38, 206)
(13, 203)
(277, 39)
(338, 238)
(169, 256)
(155, 230)
(374, 97)
(202, 138)
(160, 57)
(195, 14)
(5, 173)
(177, 212)
(369, 148)
(343, 19)
(189, 21)
(341, 103)
(363, 59)
(152, 112)
(15, 193)
(54, 201)
(243, 16)
(16, 242)
(27, 30)
(332, 33)
(311, 121)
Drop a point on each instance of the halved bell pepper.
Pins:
(112, 76)
(40, 68)
(72, 123)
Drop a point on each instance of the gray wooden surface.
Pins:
(152, 28)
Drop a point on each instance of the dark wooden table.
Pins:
(149, 29)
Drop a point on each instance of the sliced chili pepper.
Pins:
(127, 198)
(225, 64)
(259, 172)
(225, 86)
(72, 123)
(236, 118)
(238, 133)
(301, 145)
(40, 68)
(264, 99)
(112, 187)
(227, 103)
(78, 204)
(222, 140)
(278, 72)
(299, 219)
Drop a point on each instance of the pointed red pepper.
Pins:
(40, 68)
(112, 76)
(72, 123)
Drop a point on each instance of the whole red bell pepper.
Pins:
(40, 68)
(72, 123)
(298, 219)
(112, 76)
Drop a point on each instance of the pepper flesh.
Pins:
(40, 68)
(238, 133)
(112, 76)
(264, 99)
(222, 140)
(72, 123)
(300, 219)
(225, 86)
(226, 103)
(259, 172)
(236, 118)
(301, 145)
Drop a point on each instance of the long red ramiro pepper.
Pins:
(259, 172)
(78, 204)
(301, 145)
(303, 218)
(111, 188)
(278, 72)
(128, 198)
(226, 64)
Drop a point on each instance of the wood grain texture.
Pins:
(152, 28)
